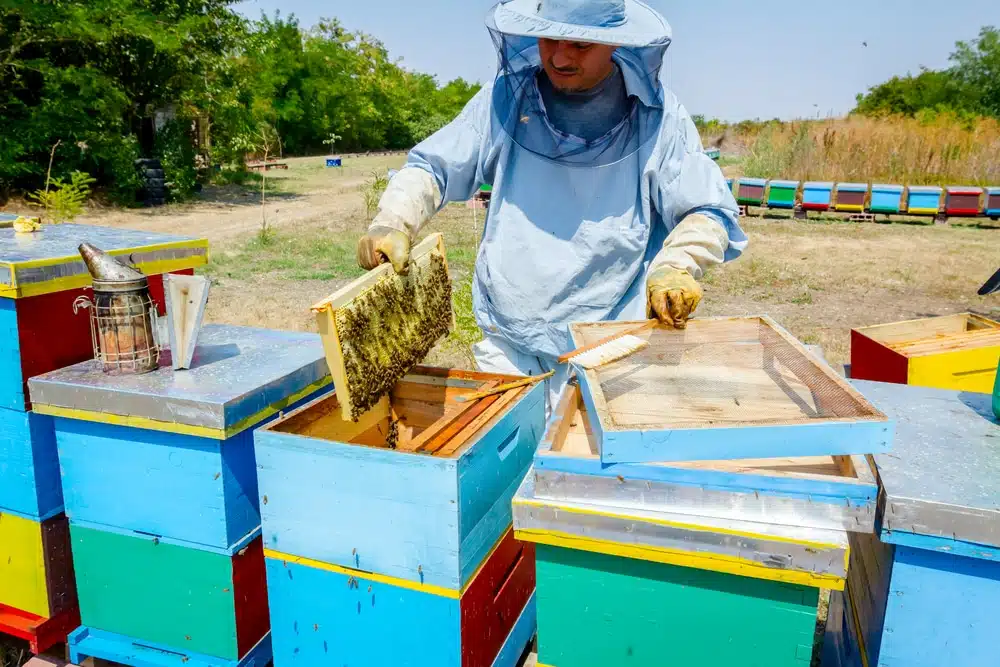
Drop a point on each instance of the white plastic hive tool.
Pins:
(186, 298)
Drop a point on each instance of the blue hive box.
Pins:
(817, 196)
(887, 199)
(170, 453)
(925, 591)
(924, 200)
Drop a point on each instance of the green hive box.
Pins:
(189, 600)
(618, 587)
(596, 610)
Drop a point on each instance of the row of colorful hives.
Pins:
(721, 563)
(864, 198)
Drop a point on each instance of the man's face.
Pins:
(575, 66)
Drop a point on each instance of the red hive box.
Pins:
(964, 202)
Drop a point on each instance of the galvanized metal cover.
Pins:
(237, 372)
(646, 535)
(942, 478)
(50, 254)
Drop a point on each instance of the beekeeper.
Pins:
(604, 205)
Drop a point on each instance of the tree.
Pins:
(970, 85)
(977, 69)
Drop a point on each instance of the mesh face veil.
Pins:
(520, 110)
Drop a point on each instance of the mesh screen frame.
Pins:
(831, 399)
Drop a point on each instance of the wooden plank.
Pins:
(949, 343)
(443, 437)
(439, 427)
(495, 406)
(910, 330)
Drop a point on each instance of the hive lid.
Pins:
(753, 181)
(964, 190)
(239, 377)
(784, 184)
(724, 388)
(381, 325)
(942, 479)
(926, 189)
(881, 187)
(818, 185)
(852, 187)
(49, 260)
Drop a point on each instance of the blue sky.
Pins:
(730, 59)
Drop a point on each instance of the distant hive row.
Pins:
(958, 201)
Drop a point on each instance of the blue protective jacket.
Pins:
(567, 243)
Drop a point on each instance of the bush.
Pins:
(117, 157)
(61, 201)
(175, 151)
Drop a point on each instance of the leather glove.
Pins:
(384, 244)
(672, 295)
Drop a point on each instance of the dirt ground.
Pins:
(818, 278)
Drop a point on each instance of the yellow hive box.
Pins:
(36, 566)
(957, 352)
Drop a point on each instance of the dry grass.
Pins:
(942, 151)
(820, 279)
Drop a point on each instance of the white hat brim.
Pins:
(643, 27)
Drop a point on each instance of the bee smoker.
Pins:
(122, 315)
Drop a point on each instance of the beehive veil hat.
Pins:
(628, 23)
(642, 37)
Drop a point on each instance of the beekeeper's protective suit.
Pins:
(604, 205)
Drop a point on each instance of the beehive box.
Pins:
(828, 492)
(421, 526)
(817, 196)
(992, 208)
(930, 582)
(29, 466)
(170, 453)
(963, 201)
(951, 352)
(887, 199)
(41, 274)
(617, 586)
(750, 191)
(37, 588)
(924, 200)
(781, 194)
(723, 388)
(185, 599)
(426, 516)
(851, 197)
(320, 612)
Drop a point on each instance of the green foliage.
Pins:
(970, 87)
(371, 191)
(115, 158)
(174, 150)
(90, 72)
(62, 201)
